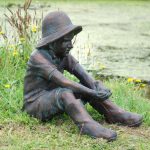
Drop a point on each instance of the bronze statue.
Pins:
(48, 92)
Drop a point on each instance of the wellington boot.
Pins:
(86, 124)
(114, 114)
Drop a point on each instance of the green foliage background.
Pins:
(19, 131)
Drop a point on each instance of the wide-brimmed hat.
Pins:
(56, 25)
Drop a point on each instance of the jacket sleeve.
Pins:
(70, 63)
(76, 69)
(42, 66)
(85, 78)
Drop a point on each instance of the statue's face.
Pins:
(63, 46)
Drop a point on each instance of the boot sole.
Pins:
(112, 139)
(108, 140)
(137, 124)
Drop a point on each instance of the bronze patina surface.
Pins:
(48, 92)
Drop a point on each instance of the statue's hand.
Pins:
(99, 86)
(102, 92)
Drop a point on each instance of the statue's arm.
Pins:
(85, 78)
(62, 81)
(73, 66)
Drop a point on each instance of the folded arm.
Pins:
(84, 76)
(62, 81)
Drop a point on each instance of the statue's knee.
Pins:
(65, 93)
(68, 97)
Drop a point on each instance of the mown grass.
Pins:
(19, 131)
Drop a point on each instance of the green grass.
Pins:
(18, 130)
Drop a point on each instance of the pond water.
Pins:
(115, 39)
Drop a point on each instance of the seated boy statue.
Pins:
(47, 92)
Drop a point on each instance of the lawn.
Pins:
(19, 131)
